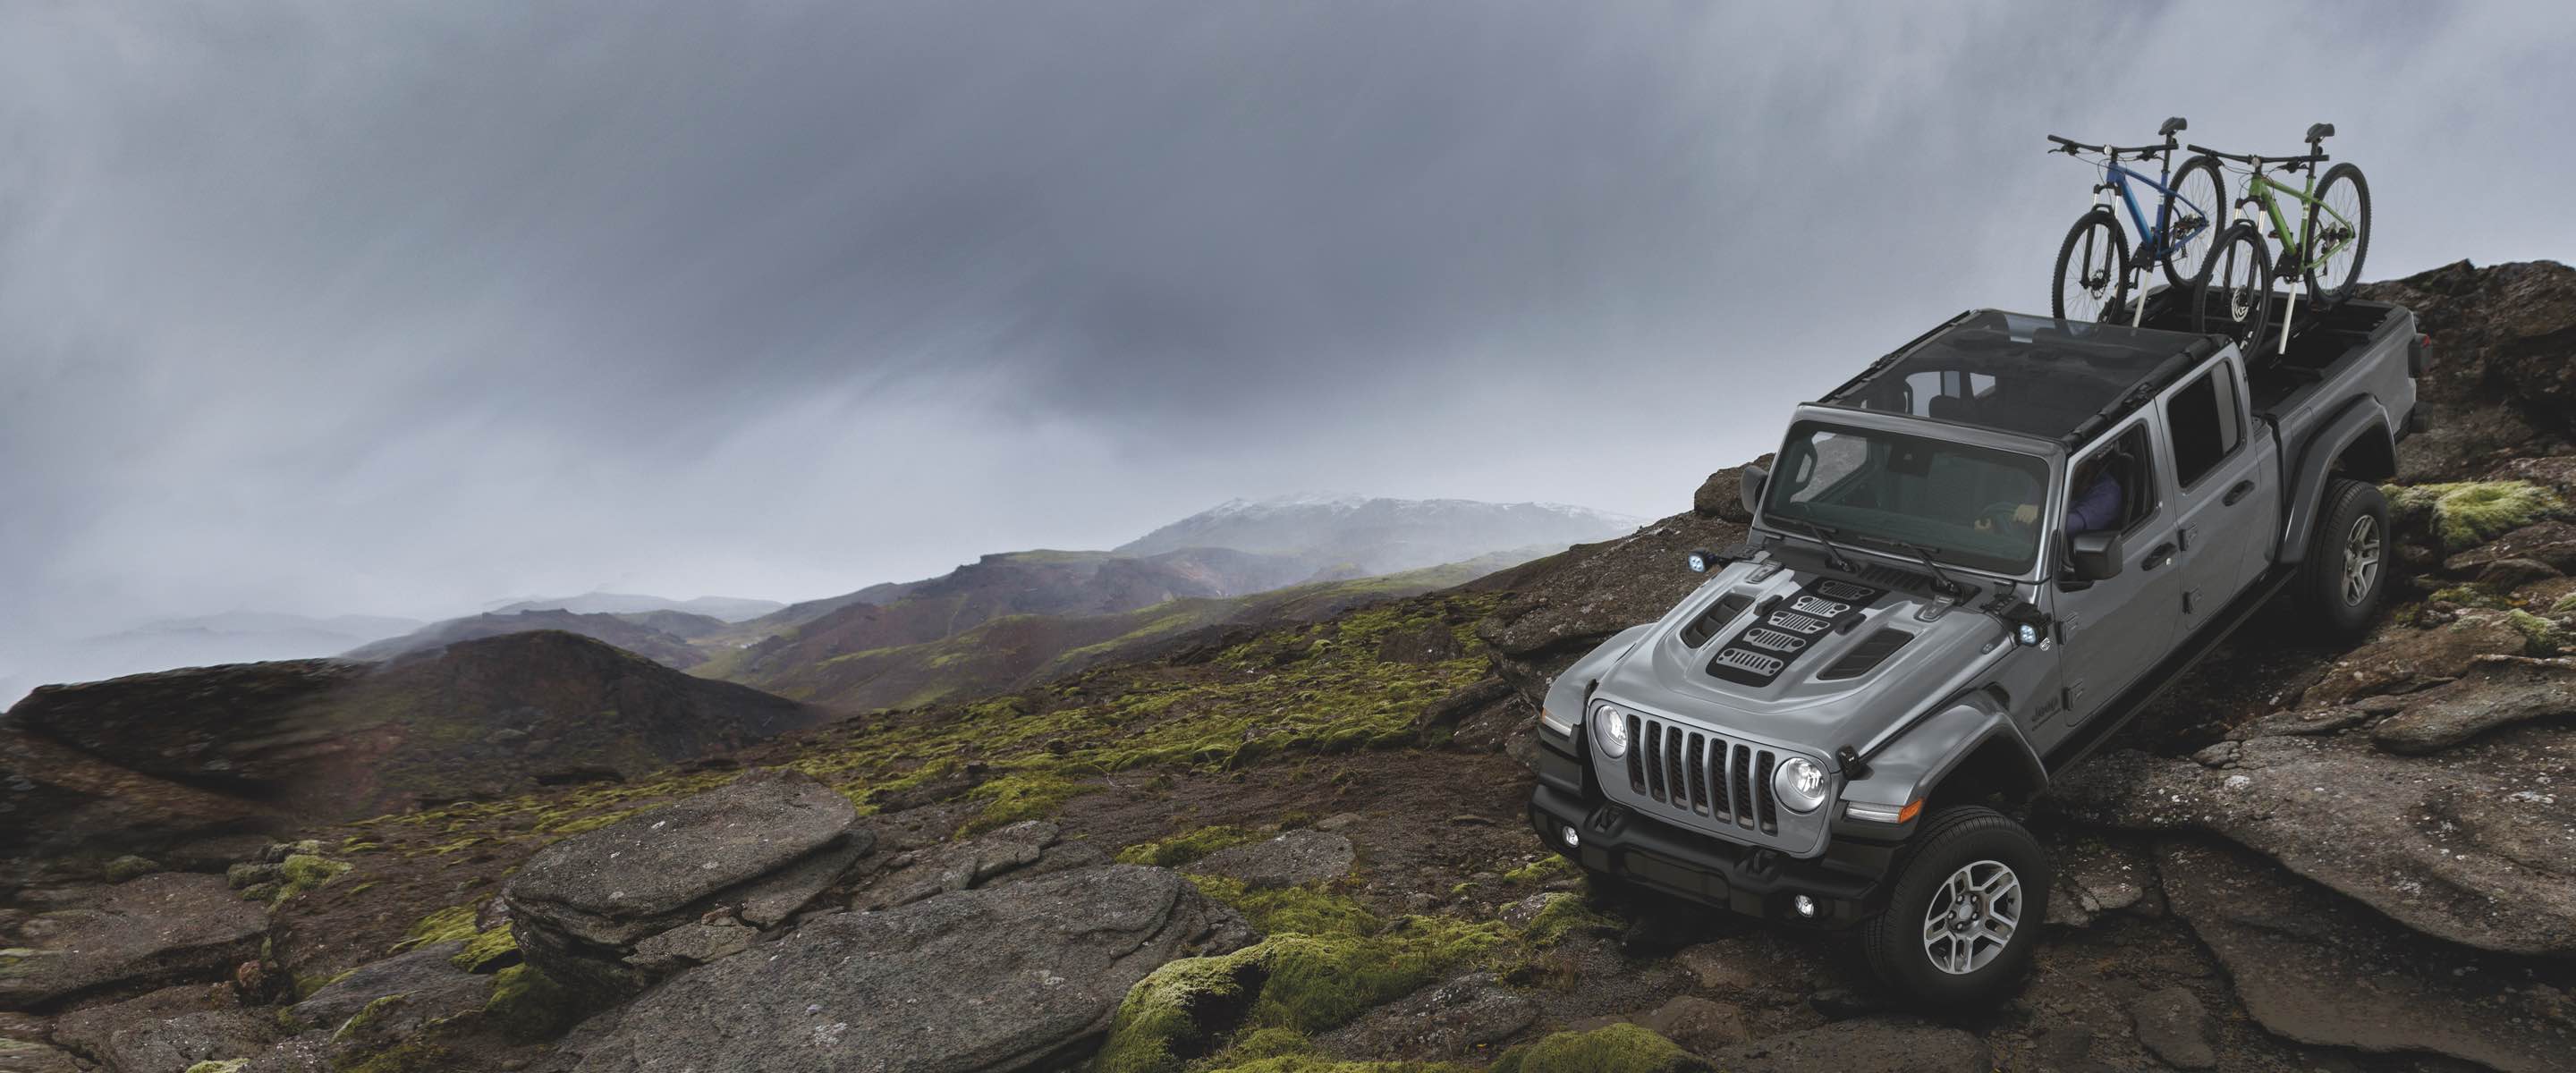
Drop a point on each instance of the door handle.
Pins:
(2238, 492)
(2163, 554)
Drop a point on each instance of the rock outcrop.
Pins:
(1563, 605)
(1007, 854)
(171, 1029)
(2496, 381)
(1020, 977)
(426, 977)
(164, 928)
(2314, 968)
(2476, 845)
(752, 852)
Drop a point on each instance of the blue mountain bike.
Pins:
(2096, 262)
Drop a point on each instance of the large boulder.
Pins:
(2468, 845)
(1019, 977)
(164, 928)
(2498, 381)
(1006, 854)
(2406, 660)
(755, 850)
(426, 977)
(2492, 695)
(2317, 969)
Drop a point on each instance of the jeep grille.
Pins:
(1727, 782)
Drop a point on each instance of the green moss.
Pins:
(1305, 1063)
(229, 1065)
(1563, 915)
(2566, 605)
(530, 1006)
(456, 922)
(1303, 910)
(1542, 870)
(2541, 637)
(487, 949)
(303, 872)
(2470, 513)
(366, 1018)
(2471, 596)
(1183, 849)
(1612, 1049)
(1036, 793)
(409, 1056)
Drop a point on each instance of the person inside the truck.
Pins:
(2099, 505)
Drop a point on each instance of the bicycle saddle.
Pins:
(2172, 125)
(2318, 132)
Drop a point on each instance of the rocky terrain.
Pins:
(1301, 848)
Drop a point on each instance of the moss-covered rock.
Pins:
(529, 1006)
(1612, 1049)
(127, 867)
(2547, 638)
(304, 872)
(1561, 916)
(488, 950)
(1184, 849)
(229, 1065)
(2465, 514)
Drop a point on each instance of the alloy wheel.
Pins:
(1972, 918)
(2361, 555)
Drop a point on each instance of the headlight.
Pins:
(1610, 731)
(1799, 783)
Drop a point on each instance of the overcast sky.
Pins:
(399, 306)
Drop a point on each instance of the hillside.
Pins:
(1379, 535)
(284, 743)
(723, 608)
(1303, 849)
(1018, 650)
(661, 636)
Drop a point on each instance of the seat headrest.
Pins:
(1947, 408)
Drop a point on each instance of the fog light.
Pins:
(1805, 906)
(1572, 841)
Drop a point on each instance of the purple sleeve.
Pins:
(2097, 509)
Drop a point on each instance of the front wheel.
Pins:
(1964, 914)
(2234, 292)
(2346, 570)
(2339, 229)
(2092, 274)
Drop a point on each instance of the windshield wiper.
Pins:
(1824, 534)
(1923, 553)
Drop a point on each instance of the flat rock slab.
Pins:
(2476, 844)
(163, 928)
(425, 975)
(2318, 969)
(2490, 696)
(668, 858)
(1298, 857)
(1443, 1022)
(171, 1029)
(1019, 977)
(1864, 1046)
(2174, 1026)
(17, 1056)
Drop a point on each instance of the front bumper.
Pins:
(1846, 885)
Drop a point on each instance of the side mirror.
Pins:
(1748, 486)
(2096, 556)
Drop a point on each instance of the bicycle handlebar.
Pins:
(2248, 158)
(2072, 146)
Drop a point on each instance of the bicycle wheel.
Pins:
(2234, 291)
(2195, 214)
(2347, 240)
(2092, 269)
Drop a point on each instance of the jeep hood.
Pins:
(1793, 668)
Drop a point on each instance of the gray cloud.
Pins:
(395, 307)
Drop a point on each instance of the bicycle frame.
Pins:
(2259, 188)
(2153, 242)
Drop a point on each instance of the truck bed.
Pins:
(2323, 346)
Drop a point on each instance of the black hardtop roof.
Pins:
(2029, 375)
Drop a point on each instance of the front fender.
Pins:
(1910, 767)
(2361, 417)
(1567, 694)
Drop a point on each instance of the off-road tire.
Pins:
(2177, 273)
(1951, 839)
(2328, 596)
(2096, 235)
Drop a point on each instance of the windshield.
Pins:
(1979, 506)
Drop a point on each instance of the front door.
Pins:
(2115, 628)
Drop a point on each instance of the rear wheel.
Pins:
(2346, 570)
(2195, 215)
(2092, 269)
(2339, 225)
(2235, 287)
(1964, 911)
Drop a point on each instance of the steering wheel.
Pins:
(1999, 513)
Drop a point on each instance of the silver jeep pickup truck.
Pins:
(1969, 566)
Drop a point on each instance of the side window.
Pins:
(2112, 489)
(2205, 422)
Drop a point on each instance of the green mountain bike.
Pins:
(2235, 286)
